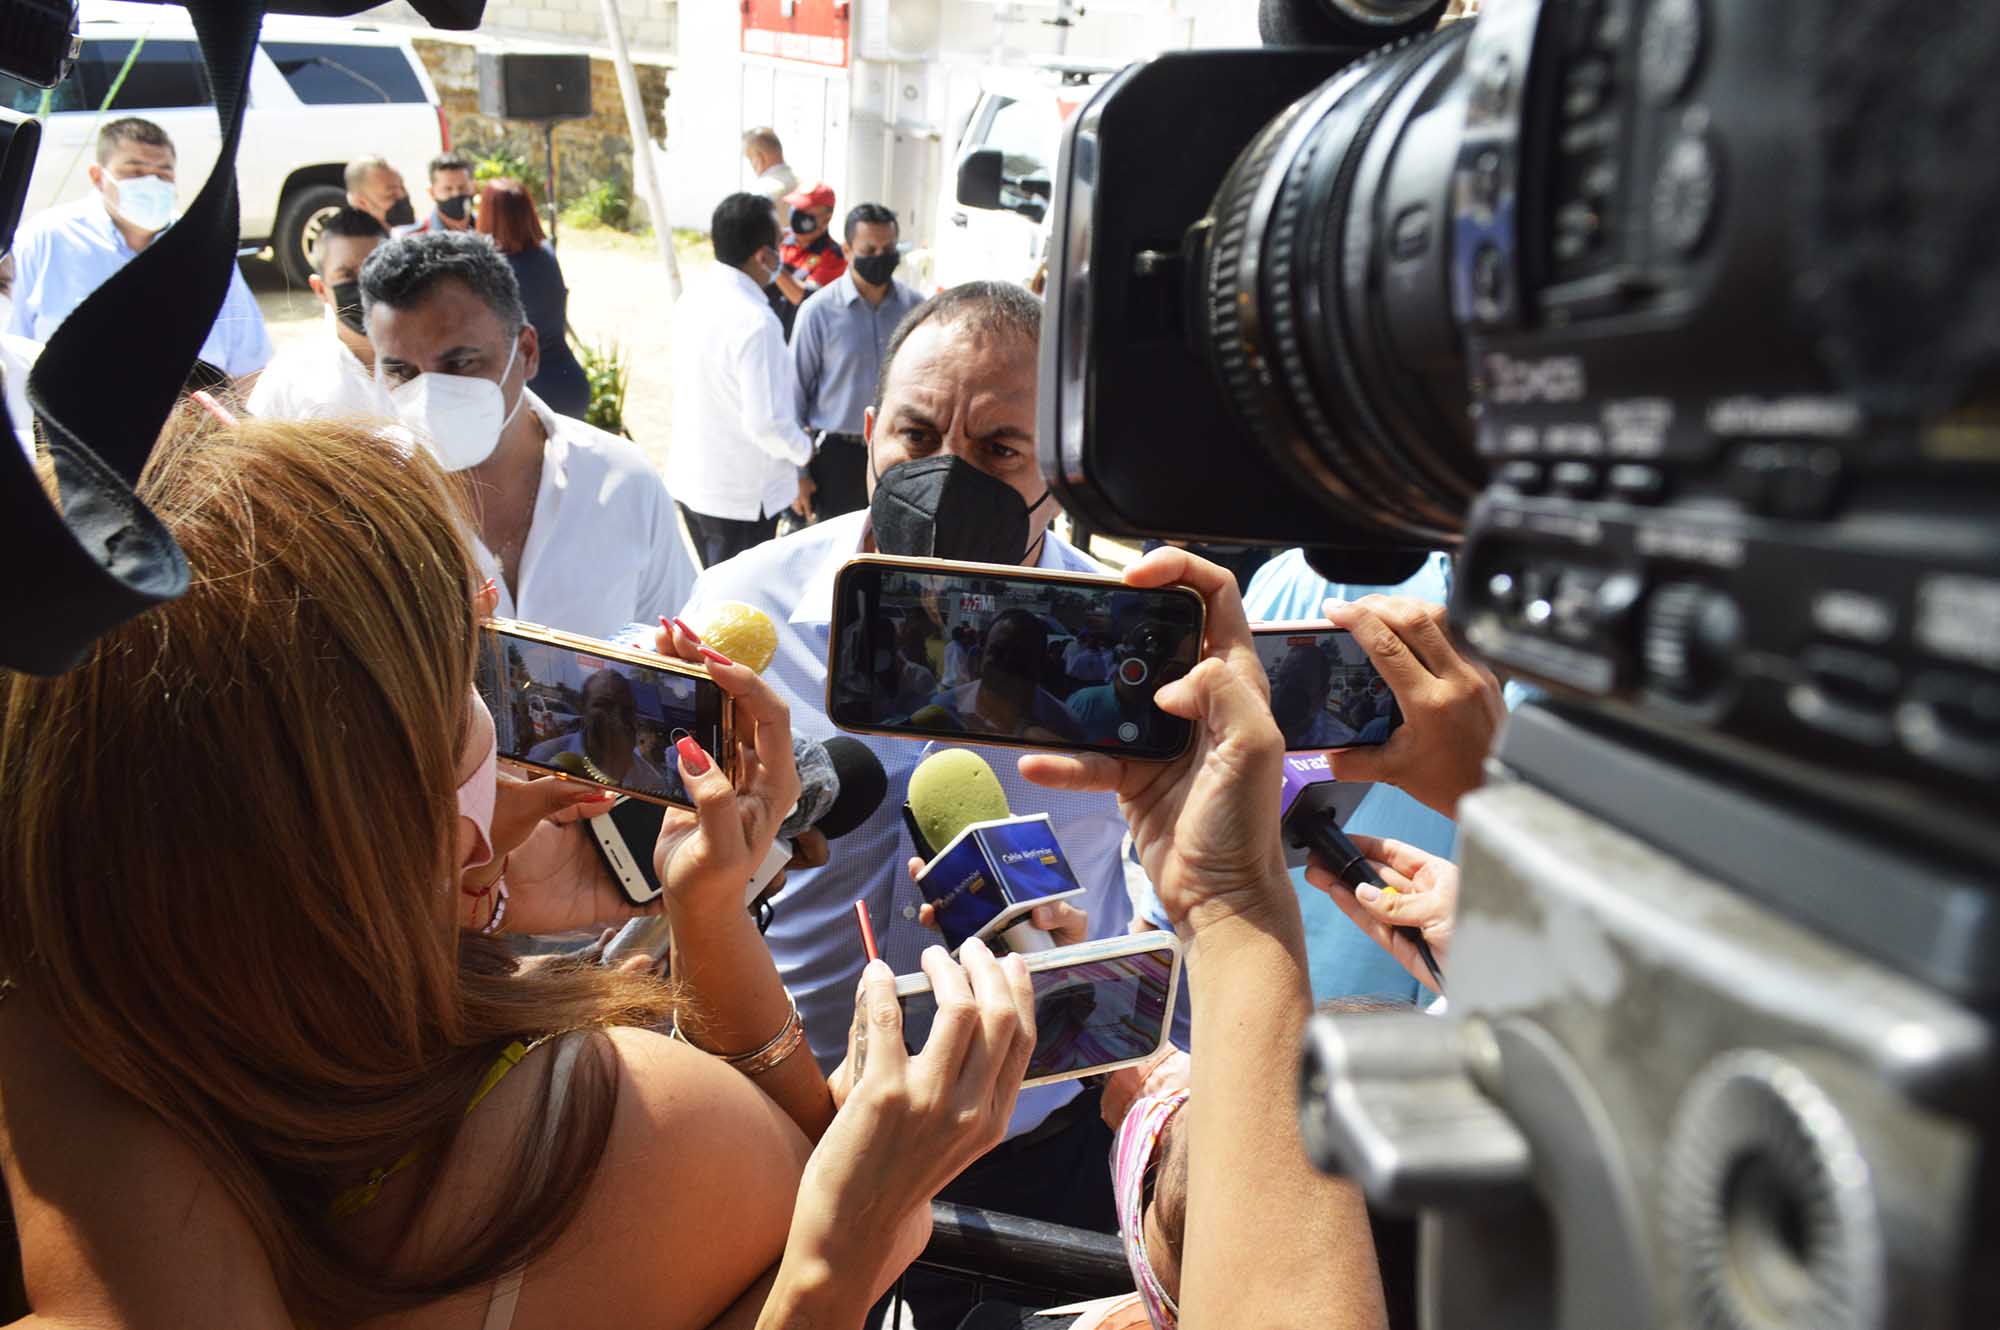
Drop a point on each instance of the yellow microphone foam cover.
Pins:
(951, 789)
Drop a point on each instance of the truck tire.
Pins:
(300, 217)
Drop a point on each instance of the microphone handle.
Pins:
(1351, 866)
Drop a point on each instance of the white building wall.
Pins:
(882, 129)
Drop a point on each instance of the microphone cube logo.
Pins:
(1018, 856)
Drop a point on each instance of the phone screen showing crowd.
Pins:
(979, 656)
(604, 720)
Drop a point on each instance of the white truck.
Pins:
(322, 91)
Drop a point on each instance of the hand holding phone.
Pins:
(600, 713)
(1098, 1006)
(1022, 657)
(1325, 691)
(910, 1121)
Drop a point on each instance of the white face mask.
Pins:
(146, 201)
(460, 417)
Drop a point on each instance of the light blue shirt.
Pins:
(1346, 962)
(66, 253)
(813, 936)
(838, 341)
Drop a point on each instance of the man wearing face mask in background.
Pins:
(951, 447)
(66, 253)
(811, 258)
(451, 191)
(572, 522)
(377, 189)
(333, 375)
(838, 346)
(737, 443)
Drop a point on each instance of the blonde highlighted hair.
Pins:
(226, 865)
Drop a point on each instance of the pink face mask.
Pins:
(477, 791)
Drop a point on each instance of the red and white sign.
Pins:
(813, 32)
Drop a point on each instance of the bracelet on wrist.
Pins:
(791, 1036)
(499, 907)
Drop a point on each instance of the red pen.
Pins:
(867, 930)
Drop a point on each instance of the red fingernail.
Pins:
(489, 585)
(692, 635)
(694, 762)
(716, 656)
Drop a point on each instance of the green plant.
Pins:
(610, 373)
(503, 159)
(604, 203)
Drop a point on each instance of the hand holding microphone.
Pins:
(981, 868)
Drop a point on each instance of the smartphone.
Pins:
(983, 653)
(624, 838)
(586, 710)
(1325, 692)
(1099, 1006)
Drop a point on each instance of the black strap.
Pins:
(108, 379)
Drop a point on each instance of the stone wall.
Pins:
(587, 151)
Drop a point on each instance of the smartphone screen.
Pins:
(595, 717)
(1031, 659)
(1325, 692)
(1090, 1015)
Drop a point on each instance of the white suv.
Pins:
(322, 91)
(992, 218)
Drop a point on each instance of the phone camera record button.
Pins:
(677, 734)
(1128, 732)
(1133, 671)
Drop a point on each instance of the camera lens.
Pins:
(1324, 306)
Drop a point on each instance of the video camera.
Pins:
(1678, 323)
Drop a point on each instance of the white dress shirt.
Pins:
(737, 442)
(812, 935)
(605, 547)
(66, 253)
(774, 182)
(318, 379)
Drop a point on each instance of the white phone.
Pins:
(1099, 1005)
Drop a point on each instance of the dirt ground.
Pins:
(617, 293)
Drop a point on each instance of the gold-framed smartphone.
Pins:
(595, 712)
(1018, 657)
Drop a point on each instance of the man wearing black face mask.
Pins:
(952, 474)
(332, 375)
(838, 347)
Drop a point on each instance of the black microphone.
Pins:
(1311, 820)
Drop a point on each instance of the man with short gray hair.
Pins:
(766, 156)
(573, 524)
(377, 189)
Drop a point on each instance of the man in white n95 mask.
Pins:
(573, 523)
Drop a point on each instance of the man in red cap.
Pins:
(812, 257)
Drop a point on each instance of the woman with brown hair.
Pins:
(229, 882)
(507, 214)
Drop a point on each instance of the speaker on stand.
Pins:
(544, 88)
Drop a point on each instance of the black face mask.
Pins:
(803, 222)
(876, 269)
(944, 507)
(401, 213)
(347, 306)
(456, 207)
